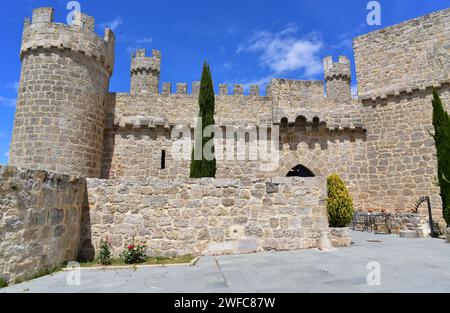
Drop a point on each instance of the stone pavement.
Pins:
(407, 265)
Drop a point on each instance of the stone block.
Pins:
(409, 234)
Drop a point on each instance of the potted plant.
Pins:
(340, 211)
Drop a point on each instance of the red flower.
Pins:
(130, 247)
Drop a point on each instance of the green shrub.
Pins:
(134, 254)
(104, 257)
(339, 203)
(3, 283)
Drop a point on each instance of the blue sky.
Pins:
(244, 41)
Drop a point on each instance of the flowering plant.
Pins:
(134, 253)
(104, 257)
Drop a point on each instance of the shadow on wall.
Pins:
(109, 139)
(86, 251)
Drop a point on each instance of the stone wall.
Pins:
(392, 223)
(40, 217)
(205, 216)
(411, 55)
(401, 153)
(145, 72)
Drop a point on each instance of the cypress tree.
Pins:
(441, 123)
(204, 167)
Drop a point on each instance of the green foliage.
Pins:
(441, 123)
(339, 203)
(155, 260)
(3, 283)
(206, 167)
(134, 253)
(104, 257)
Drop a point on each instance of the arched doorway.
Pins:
(300, 171)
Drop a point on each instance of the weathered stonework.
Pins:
(340, 237)
(205, 216)
(393, 223)
(379, 144)
(68, 122)
(40, 217)
(60, 107)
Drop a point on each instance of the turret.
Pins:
(60, 107)
(145, 72)
(338, 78)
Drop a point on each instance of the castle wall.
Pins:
(397, 68)
(401, 152)
(291, 96)
(60, 107)
(40, 217)
(325, 153)
(139, 128)
(206, 216)
(407, 56)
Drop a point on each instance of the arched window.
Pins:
(300, 171)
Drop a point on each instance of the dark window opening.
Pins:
(300, 171)
(163, 160)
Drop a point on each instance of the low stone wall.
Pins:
(391, 222)
(40, 217)
(204, 217)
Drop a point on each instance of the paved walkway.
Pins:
(407, 265)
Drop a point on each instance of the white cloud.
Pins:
(227, 66)
(14, 86)
(286, 51)
(10, 102)
(6, 154)
(146, 40)
(138, 43)
(260, 82)
(113, 25)
(344, 44)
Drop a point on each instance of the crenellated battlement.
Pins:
(337, 70)
(145, 72)
(42, 33)
(238, 90)
(65, 72)
(141, 62)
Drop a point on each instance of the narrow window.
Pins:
(163, 160)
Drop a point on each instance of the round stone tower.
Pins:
(65, 75)
(145, 72)
(338, 77)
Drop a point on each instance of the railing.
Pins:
(433, 227)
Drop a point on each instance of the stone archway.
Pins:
(300, 171)
(310, 161)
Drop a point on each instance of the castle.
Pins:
(68, 122)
